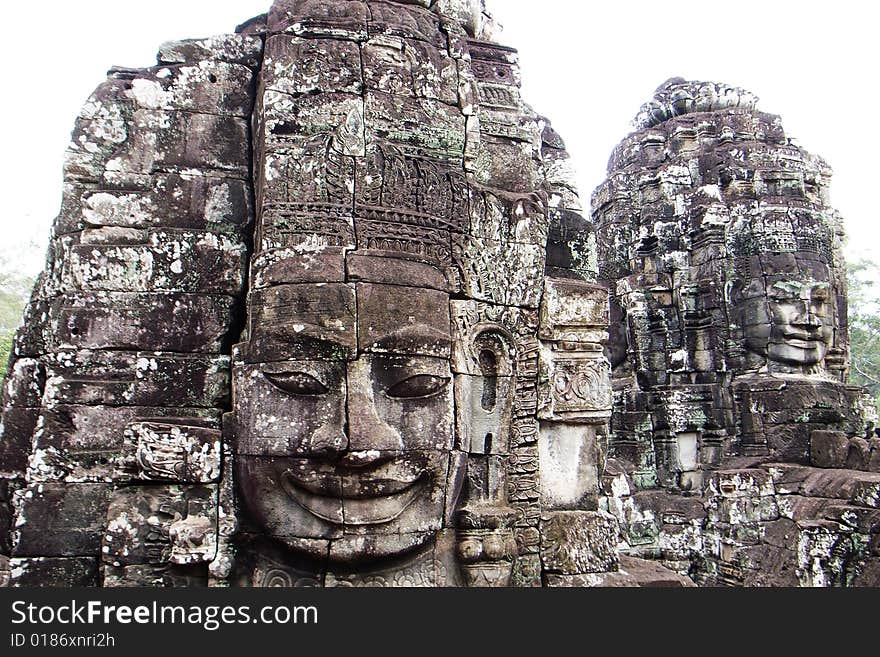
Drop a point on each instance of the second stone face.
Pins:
(729, 349)
(724, 256)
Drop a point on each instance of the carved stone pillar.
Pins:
(574, 392)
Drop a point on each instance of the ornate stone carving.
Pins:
(716, 237)
(385, 406)
(161, 525)
(322, 309)
(793, 327)
(163, 452)
(577, 387)
(574, 375)
(487, 547)
(677, 97)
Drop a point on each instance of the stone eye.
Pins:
(297, 383)
(415, 387)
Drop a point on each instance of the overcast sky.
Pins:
(588, 66)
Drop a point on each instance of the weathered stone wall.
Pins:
(320, 308)
(730, 350)
(727, 268)
(121, 372)
(409, 204)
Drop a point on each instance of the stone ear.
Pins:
(484, 393)
(494, 389)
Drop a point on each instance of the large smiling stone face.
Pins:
(793, 325)
(788, 319)
(345, 417)
(801, 322)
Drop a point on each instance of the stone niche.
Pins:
(729, 348)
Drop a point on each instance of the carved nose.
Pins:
(813, 320)
(807, 317)
(329, 440)
(368, 434)
(800, 314)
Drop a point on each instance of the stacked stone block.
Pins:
(320, 309)
(401, 178)
(731, 356)
(121, 372)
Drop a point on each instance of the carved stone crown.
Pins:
(678, 96)
(471, 13)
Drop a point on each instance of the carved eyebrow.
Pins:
(280, 342)
(317, 368)
(420, 335)
(308, 333)
(786, 287)
(797, 289)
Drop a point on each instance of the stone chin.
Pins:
(354, 515)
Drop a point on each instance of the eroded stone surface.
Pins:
(321, 309)
(386, 290)
(122, 371)
(579, 543)
(729, 349)
(392, 359)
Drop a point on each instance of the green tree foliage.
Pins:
(15, 291)
(864, 325)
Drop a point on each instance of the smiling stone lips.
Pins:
(353, 498)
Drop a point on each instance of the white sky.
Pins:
(588, 66)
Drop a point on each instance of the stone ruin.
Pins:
(322, 308)
(737, 452)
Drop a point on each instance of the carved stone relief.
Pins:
(322, 308)
(716, 235)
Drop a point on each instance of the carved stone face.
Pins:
(794, 326)
(801, 322)
(345, 419)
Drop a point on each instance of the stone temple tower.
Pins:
(320, 308)
(730, 348)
